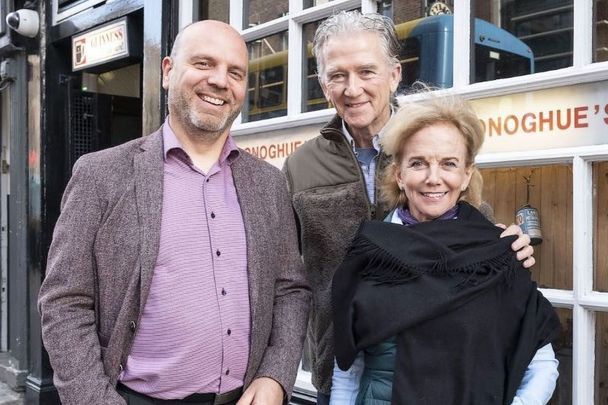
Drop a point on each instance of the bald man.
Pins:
(174, 274)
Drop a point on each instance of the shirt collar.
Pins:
(375, 139)
(170, 142)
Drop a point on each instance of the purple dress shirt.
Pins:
(193, 335)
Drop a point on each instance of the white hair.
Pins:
(346, 22)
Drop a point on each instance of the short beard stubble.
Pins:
(206, 130)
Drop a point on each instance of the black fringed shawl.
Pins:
(467, 317)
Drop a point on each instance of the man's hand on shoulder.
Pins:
(521, 244)
(263, 391)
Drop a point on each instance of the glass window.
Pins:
(492, 63)
(267, 86)
(563, 352)
(66, 4)
(600, 34)
(408, 10)
(600, 224)
(312, 94)
(506, 190)
(409, 57)
(214, 10)
(313, 3)
(426, 38)
(514, 38)
(119, 82)
(601, 358)
(256, 12)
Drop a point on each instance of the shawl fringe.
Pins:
(385, 268)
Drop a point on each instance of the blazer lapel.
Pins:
(246, 192)
(149, 169)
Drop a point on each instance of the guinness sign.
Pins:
(101, 45)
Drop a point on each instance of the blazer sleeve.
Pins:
(67, 297)
(291, 301)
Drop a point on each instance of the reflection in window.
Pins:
(600, 34)
(600, 225)
(545, 26)
(406, 10)
(426, 41)
(426, 50)
(491, 64)
(214, 10)
(551, 194)
(409, 57)
(267, 87)
(312, 94)
(256, 12)
(498, 53)
(563, 352)
(313, 3)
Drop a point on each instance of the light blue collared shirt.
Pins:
(368, 169)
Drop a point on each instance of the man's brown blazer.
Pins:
(103, 254)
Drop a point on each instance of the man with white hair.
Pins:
(332, 177)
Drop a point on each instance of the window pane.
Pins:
(256, 12)
(600, 35)
(600, 219)
(64, 3)
(601, 358)
(505, 189)
(563, 352)
(514, 38)
(214, 10)
(267, 86)
(312, 3)
(312, 94)
(426, 42)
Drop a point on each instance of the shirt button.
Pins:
(218, 253)
(227, 372)
(224, 292)
(132, 325)
(212, 215)
(207, 180)
(228, 332)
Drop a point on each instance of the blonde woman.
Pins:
(433, 297)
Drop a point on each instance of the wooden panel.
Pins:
(489, 189)
(600, 237)
(551, 194)
(601, 358)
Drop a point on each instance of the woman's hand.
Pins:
(521, 244)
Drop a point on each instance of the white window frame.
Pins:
(582, 299)
(59, 16)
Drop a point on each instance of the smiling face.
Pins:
(359, 80)
(206, 79)
(434, 170)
